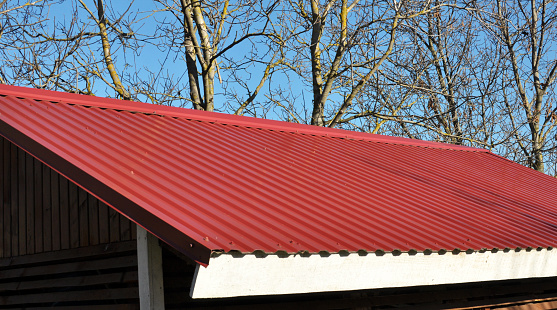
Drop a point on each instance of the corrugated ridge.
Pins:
(237, 188)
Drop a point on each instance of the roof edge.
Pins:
(382, 252)
(162, 230)
(215, 117)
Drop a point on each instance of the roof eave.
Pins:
(106, 194)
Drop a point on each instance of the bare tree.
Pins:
(339, 47)
(451, 71)
(527, 31)
(221, 36)
(479, 73)
(70, 55)
(100, 48)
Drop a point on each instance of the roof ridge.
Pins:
(221, 118)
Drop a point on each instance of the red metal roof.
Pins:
(205, 181)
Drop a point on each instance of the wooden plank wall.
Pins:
(178, 273)
(42, 211)
(95, 277)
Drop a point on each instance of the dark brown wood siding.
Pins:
(42, 211)
(178, 273)
(94, 277)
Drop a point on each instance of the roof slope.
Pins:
(205, 181)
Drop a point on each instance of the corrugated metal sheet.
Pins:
(206, 181)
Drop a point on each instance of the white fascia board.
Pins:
(228, 276)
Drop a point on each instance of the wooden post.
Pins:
(149, 263)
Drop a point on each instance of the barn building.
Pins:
(109, 204)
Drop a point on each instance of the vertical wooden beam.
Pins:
(114, 226)
(14, 196)
(21, 205)
(83, 217)
(4, 221)
(29, 190)
(149, 264)
(56, 214)
(73, 210)
(104, 220)
(37, 193)
(93, 206)
(65, 218)
(47, 208)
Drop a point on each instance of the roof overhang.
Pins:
(108, 195)
(252, 275)
(205, 182)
